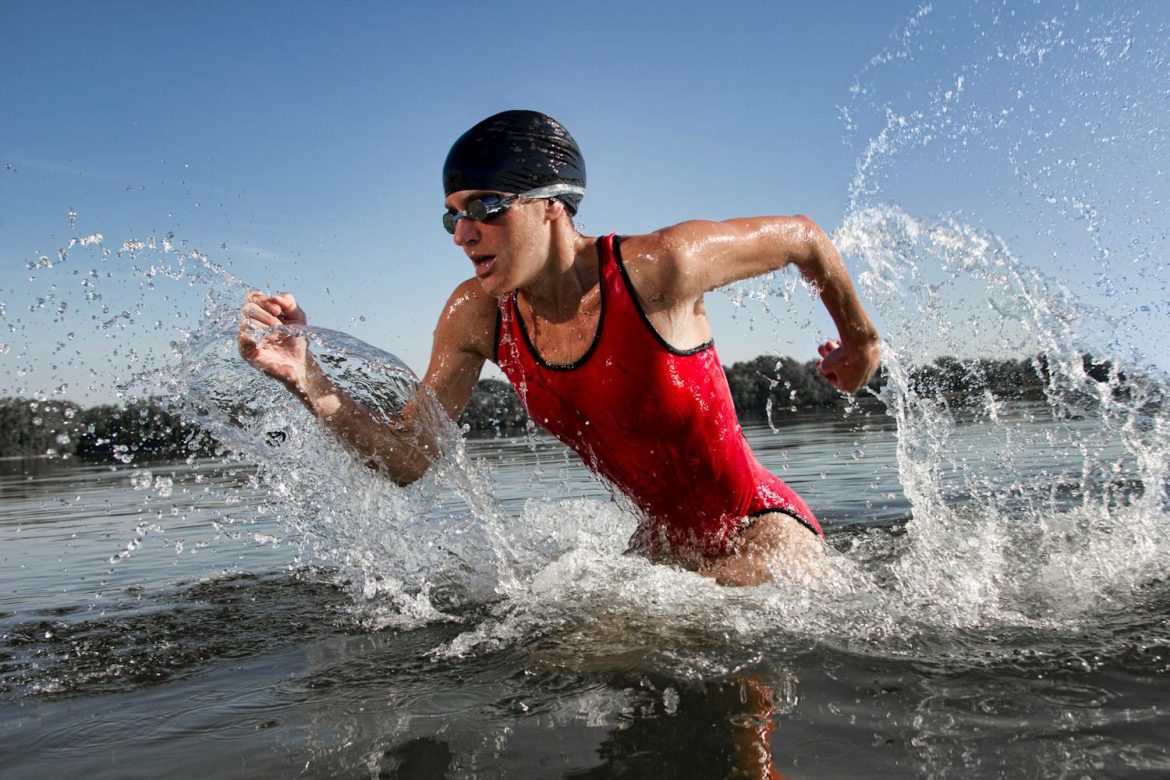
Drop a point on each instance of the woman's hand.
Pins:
(849, 366)
(282, 355)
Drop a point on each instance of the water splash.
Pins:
(404, 551)
(1010, 518)
(1031, 518)
(1056, 119)
(403, 554)
(1043, 122)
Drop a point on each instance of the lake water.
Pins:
(170, 620)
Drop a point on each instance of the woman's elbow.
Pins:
(401, 468)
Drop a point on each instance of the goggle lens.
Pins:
(478, 210)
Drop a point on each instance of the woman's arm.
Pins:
(401, 447)
(692, 258)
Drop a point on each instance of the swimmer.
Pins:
(607, 343)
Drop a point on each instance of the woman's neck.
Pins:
(569, 274)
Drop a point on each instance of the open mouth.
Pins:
(483, 265)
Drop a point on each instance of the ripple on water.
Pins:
(174, 635)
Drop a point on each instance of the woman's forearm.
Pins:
(400, 446)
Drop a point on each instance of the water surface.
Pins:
(235, 653)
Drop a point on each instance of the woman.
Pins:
(607, 343)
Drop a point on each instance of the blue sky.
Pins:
(300, 144)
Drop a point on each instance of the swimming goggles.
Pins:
(489, 206)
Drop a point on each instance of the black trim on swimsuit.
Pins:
(617, 256)
(496, 334)
(785, 511)
(596, 336)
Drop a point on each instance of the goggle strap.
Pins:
(553, 190)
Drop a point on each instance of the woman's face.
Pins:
(509, 249)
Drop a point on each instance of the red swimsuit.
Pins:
(657, 422)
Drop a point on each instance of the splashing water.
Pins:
(1015, 526)
(404, 550)
(1011, 521)
(1043, 516)
(1060, 118)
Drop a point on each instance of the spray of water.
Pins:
(1011, 520)
(404, 551)
(1044, 516)
(1043, 114)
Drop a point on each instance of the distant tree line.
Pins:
(1024, 379)
(101, 433)
(766, 385)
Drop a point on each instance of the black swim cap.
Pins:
(515, 151)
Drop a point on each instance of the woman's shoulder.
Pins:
(469, 318)
(654, 262)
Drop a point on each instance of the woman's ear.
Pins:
(553, 209)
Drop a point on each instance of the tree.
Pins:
(494, 406)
